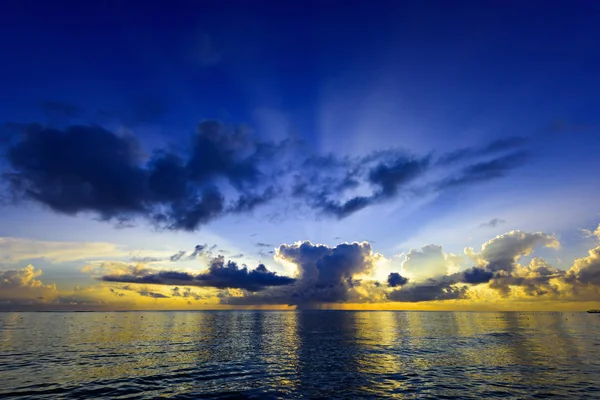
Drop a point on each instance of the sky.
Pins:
(263, 154)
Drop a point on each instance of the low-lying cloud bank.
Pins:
(220, 274)
(335, 275)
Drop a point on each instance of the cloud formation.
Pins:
(223, 170)
(430, 261)
(328, 275)
(395, 279)
(22, 278)
(323, 274)
(90, 169)
(496, 265)
(220, 274)
(336, 186)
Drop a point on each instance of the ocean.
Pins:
(299, 354)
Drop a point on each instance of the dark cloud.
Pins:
(250, 201)
(221, 171)
(177, 256)
(385, 172)
(329, 184)
(476, 275)
(220, 274)
(198, 250)
(342, 210)
(90, 169)
(492, 223)
(390, 176)
(229, 275)
(395, 279)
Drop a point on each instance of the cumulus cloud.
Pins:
(502, 252)
(337, 274)
(323, 274)
(586, 270)
(496, 265)
(22, 278)
(430, 261)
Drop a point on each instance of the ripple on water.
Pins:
(299, 354)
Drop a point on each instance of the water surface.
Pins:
(304, 354)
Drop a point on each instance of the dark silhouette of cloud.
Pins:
(220, 274)
(476, 275)
(390, 172)
(222, 170)
(90, 169)
(395, 279)
(198, 250)
(325, 180)
(177, 256)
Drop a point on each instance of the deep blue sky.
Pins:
(345, 78)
